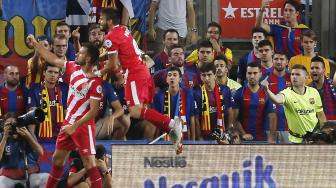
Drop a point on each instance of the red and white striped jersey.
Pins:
(81, 89)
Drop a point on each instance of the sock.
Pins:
(55, 176)
(95, 177)
(159, 120)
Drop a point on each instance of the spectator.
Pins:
(213, 35)
(176, 101)
(324, 86)
(172, 14)
(205, 55)
(36, 64)
(63, 28)
(279, 80)
(51, 96)
(252, 109)
(77, 176)
(170, 37)
(176, 59)
(303, 106)
(13, 96)
(13, 145)
(258, 34)
(291, 28)
(111, 126)
(222, 74)
(265, 53)
(213, 104)
(308, 41)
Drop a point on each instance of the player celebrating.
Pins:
(78, 128)
(139, 84)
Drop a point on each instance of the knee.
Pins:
(135, 111)
(58, 160)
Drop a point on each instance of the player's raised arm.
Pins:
(45, 53)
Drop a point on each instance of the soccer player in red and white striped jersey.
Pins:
(139, 85)
(78, 129)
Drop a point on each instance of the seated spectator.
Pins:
(253, 111)
(35, 64)
(222, 74)
(13, 96)
(308, 42)
(258, 34)
(111, 125)
(63, 28)
(176, 101)
(189, 78)
(76, 177)
(213, 35)
(51, 96)
(17, 142)
(324, 86)
(212, 104)
(286, 35)
(170, 37)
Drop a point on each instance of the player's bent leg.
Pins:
(89, 163)
(56, 172)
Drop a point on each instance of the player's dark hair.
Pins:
(221, 57)
(259, 30)
(206, 67)
(204, 44)
(172, 68)
(173, 47)
(170, 30)
(254, 64)
(112, 14)
(319, 59)
(215, 24)
(295, 3)
(263, 43)
(92, 51)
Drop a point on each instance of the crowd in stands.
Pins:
(284, 87)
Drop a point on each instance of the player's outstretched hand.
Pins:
(30, 40)
(265, 83)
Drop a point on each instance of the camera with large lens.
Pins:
(218, 135)
(34, 116)
(327, 135)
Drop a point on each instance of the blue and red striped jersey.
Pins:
(161, 62)
(253, 111)
(13, 101)
(243, 62)
(328, 97)
(189, 79)
(287, 39)
(277, 84)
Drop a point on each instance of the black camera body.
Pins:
(35, 116)
(326, 135)
(226, 135)
(319, 136)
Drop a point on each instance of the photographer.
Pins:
(77, 175)
(15, 142)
